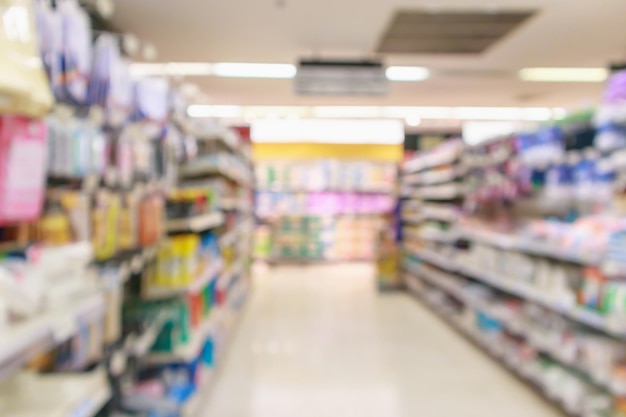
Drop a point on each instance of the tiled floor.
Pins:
(321, 342)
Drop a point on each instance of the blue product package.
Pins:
(585, 176)
(208, 353)
(610, 137)
(487, 323)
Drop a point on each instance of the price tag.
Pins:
(124, 272)
(112, 176)
(90, 184)
(136, 264)
(63, 327)
(119, 361)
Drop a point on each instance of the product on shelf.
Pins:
(527, 259)
(322, 209)
(95, 271)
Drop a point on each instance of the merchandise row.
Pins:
(318, 238)
(271, 204)
(527, 355)
(325, 175)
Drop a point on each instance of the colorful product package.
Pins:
(22, 168)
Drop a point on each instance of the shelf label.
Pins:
(63, 327)
(119, 361)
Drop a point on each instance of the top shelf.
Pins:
(531, 247)
(207, 167)
(229, 142)
(443, 155)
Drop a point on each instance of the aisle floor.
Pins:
(319, 341)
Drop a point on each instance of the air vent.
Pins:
(419, 32)
(341, 78)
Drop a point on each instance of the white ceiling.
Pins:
(576, 33)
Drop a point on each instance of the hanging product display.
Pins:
(102, 263)
(23, 80)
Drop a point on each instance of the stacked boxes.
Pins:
(299, 237)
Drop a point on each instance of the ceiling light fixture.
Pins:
(372, 131)
(407, 73)
(413, 121)
(571, 75)
(222, 69)
(346, 112)
(189, 68)
(143, 69)
(221, 111)
(244, 70)
(171, 69)
(401, 113)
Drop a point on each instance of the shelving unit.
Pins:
(23, 341)
(525, 373)
(526, 266)
(322, 210)
(192, 349)
(203, 280)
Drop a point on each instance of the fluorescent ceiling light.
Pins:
(143, 69)
(388, 132)
(241, 70)
(401, 113)
(581, 75)
(235, 70)
(171, 68)
(223, 111)
(407, 73)
(189, 68)
(346, 111)
(413, 121)
(475, 133)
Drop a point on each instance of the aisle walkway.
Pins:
(320, 342)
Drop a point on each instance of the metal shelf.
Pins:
(210, 274)
(614, 326)
(192, 349)
(198, 223)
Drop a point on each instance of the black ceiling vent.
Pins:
(422, 32)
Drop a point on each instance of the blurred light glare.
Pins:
(403, 114)
(347, 111)
(582, 75)
(220, 111)
(231, 70)
(413, 121)
(407, 73)
(328, 131)
(245, 70)
(475, 133)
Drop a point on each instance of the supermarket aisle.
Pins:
(320, 342)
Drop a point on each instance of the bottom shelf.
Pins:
(28, 394)
(481, 341)
(220, 326)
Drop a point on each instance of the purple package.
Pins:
(616, 88)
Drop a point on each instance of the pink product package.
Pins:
(322, 203)
(22, 168)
